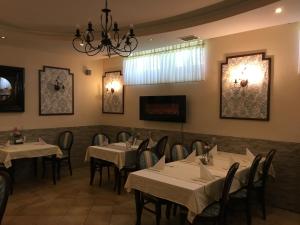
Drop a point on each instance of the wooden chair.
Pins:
(198, 145)
(65, 142)
(245, 194)
(5, 188)
(260, 185)
(160, 147)
(147, 159)
(99, 139)
(123, 136)
(123, 173)
(216, 212)
(178, 152)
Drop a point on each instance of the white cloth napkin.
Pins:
(249, 155)
(204, 173)
(160, 165)
(151, 143)
(42, 141)
(191, 157)
(214, 150)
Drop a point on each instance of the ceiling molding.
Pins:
(218, 11)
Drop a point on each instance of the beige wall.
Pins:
(280, 42)
(87, 93)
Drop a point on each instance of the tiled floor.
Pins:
(73, 202)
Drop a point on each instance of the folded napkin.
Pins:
(7, 143)
(42, 141)
(249, 155)
(204, 173)
(191, 157)
(160, 165)
(214, 150)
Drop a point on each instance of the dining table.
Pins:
(180, 182)
(120, 154)
(10, 153)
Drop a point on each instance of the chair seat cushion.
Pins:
(240, 194)
(212, 210)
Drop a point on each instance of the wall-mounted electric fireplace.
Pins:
(163, 108)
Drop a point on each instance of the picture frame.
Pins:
(113, 93)
(245, 81)
(56, 91)
(12, 92)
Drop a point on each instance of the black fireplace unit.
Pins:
(163, 108)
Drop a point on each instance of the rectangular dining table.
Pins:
(116, 153)
(9, 153)
(180, 182)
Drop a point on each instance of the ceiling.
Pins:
(157, 22)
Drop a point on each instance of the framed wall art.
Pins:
(56, 91)
(245, 87)
(11, 89)
(113, 93)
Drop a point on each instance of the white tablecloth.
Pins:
(116, 153)
(27, 150)
(179, 181)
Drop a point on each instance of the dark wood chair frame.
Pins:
(123, 173)
(99, 164)
(261, 189)
(58, 161)
(142, 199)
(221, 218)
(119, 133)
(160, 147)
(193, 142)
(249, 189)
(6, 188)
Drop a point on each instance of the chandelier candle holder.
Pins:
(110, 39)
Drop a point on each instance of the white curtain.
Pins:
(180, 63)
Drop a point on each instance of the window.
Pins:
(179, 63)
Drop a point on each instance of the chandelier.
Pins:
(110, 41)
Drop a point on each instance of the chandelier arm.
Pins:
(75, 47)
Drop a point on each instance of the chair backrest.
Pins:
(226, 188)
(147, 159)
(100, 139)
(123, 136)
(5, 185)
(198, 145)
(142, 147)
(178, 152)
(160, 147)
(252, 171)
(65, 140)
(267, 165)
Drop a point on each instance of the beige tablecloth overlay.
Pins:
(180, 181)
(27, 150)
(116, 153)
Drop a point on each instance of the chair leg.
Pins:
(44, 168)
(58, 169)
(158, 212)
(92, 171)
(108, 173)
(168, 210)
(100, 180)
(174, 210)
(70, 166)
(248, 211)
(263, 204)
(116, 178)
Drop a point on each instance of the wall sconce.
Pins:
(245, 87)
(58, 84)
(113, 93)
